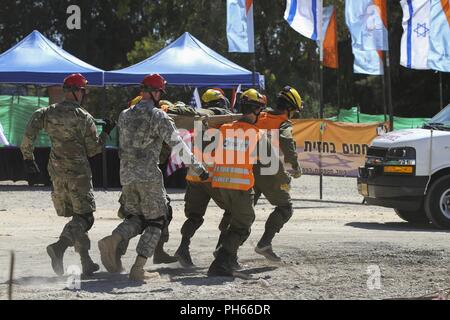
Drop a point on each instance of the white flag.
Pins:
(416, 37)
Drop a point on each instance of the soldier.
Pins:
(159, 256)
(236, 153)
(74, 138)
(276, 188)
(199, 193)
(142, 130)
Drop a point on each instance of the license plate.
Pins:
(364, 189)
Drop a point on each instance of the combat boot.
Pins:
(160, 256)
(221, 267)
(234, 263)
(183, 255)
(56, 253)
(137, 272)
(268, 253)
(88, 266)
(108, 252)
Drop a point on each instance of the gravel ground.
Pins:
(331, 249)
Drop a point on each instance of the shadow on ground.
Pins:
(395, 226)
(203, 280)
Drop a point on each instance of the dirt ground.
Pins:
(331, 249)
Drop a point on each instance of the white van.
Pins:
(409, 170)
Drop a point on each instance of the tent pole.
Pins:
(441, 91)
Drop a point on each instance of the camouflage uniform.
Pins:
(74, 138)
(142, 131)
(276, 188)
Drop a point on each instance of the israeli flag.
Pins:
(304, 16)
(368, 62)
(240, 29)
(196, 102)
(416, 36)
(367, 22)
(439, 51)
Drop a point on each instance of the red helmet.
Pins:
(154, 82)
(75, 81)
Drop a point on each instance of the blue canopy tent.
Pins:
(187, 62)
(37, 60)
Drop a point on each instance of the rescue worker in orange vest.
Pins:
(199, 193)
(276, 188)
(236, 153)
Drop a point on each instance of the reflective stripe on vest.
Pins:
(192, 176)
(235, 149)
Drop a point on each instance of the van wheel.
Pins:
(437, 203)
(416, 217)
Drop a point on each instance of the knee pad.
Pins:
(156, 223)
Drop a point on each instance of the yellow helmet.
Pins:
(252, 99)
(290, 99)
(252, 96)
(211, 95)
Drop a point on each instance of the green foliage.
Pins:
(117, 33)
(145, 48)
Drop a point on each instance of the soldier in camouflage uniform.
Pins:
(142, 130)
(159, 256)
(276, 188)
(74, 138)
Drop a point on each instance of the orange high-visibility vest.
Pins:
(235, 156)
(271, 121)
(207, 161)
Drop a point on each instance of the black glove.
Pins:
(204, 176)
(31, 167)
(108, 126)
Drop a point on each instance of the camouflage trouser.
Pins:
(123, 246)
(270, 187)
(242, 218)
(135, 225)
(146, 207)
(197, 198)
(73, 197)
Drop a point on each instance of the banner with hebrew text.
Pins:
(334, 148)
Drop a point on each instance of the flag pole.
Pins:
(388, 77)
(441, 91)
(389, 91)
(383, 90)
(320, 26)
(254, 69)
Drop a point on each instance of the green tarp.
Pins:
(16, 111)
(352, 115)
